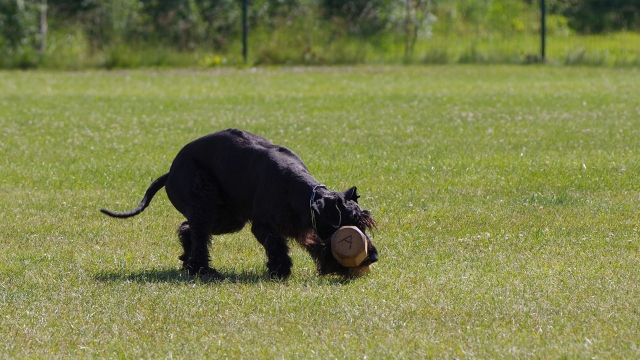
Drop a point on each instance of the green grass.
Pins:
(506, 197)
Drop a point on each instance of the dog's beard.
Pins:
(320, 248)
(320, 251)
(366, 221)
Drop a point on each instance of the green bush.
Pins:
(132, 33)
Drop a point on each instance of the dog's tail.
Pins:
(151, 191)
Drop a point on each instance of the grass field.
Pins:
(506, 197)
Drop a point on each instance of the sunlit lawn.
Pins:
(506, 197)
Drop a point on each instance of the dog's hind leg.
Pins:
(194, 198)
(196, 244)
(279, 262)
(184, 235)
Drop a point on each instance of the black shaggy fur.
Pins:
(223, 180)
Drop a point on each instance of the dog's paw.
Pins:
(204, 272)
(280, 268)
(279, 273)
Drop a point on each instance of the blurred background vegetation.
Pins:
(76, 34)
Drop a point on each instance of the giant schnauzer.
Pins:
(222, 180)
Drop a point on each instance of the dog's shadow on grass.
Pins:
(176, 276)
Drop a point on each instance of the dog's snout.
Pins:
(373, 256)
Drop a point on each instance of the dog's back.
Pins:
(248, 169)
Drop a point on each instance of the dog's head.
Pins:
(333, 210)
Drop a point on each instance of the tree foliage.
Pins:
(189, 24)
(597, 16)
(360, 17)
(18, 23)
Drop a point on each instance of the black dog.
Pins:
(222, 180)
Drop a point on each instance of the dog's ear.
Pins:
(351, 194)
(327, 208)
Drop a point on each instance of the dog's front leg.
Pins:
(279, 263)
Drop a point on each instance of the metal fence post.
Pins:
(244, 29)
(543, 30)
(43, 27)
